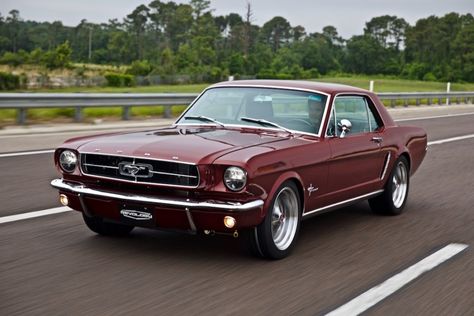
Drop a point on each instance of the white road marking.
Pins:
(432, 117)
(373, 296)
(27, 153)
(448, 140)
(19, 217)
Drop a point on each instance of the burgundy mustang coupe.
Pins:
(247, 157)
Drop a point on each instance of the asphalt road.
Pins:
(53, 265)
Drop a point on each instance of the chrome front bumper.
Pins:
(214, 205)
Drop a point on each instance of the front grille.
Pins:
(140, 170)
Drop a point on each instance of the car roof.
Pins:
(329, 88)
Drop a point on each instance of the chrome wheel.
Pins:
(284, 218)
(400, 185)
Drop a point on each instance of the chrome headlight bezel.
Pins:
(68, 161)
(235, 178)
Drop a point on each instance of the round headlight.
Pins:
(68, 161)
(235, 178)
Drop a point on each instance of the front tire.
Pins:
(276, 236)
(392, 201)
(99, 226)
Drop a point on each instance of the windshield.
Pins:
(265, 107)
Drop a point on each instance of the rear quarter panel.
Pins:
(410, 140)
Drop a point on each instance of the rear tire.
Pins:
(276, 236)
(99, 226)
(392, 201)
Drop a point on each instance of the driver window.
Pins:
(354, 109)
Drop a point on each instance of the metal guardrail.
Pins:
(79, 101)
(430, 97)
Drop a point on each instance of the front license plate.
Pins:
(136, 216)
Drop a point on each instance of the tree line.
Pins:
(166, 38)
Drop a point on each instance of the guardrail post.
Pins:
(167, 111)
(405, 104)
(448, 89)
(78, 114)
(418, 101)
(440, 101)
(21, 116)
(393, 102)
(126, 113)
(430, 101)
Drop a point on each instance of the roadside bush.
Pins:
(128, 80)
(283, 76)
(60, 57)
(12, 59)
(429, 77)
(9, 81)
(415, 71)
(140, 68)
(265, 74)
(268, 74)
(119, 80)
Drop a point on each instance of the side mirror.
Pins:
(344, 127)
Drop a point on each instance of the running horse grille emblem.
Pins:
(136, 170)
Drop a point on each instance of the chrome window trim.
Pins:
(217, 205)
(342, 203)
(367, 113)
(263, 87)
(355, 94)
(141, 182)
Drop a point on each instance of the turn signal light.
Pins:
(229, 221)
(63, 199)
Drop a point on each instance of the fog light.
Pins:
(63, 199)
(229, 221)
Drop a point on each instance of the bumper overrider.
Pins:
(204, 215)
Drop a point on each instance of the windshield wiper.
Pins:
(204, 119)
(265, 122)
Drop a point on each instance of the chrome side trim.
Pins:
(387, 160)
(343, 203)
(215, 205)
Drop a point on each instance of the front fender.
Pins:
(278, 182)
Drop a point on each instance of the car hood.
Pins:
(193, 145)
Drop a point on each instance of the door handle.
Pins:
(377, 139)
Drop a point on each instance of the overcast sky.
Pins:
(348, 16)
